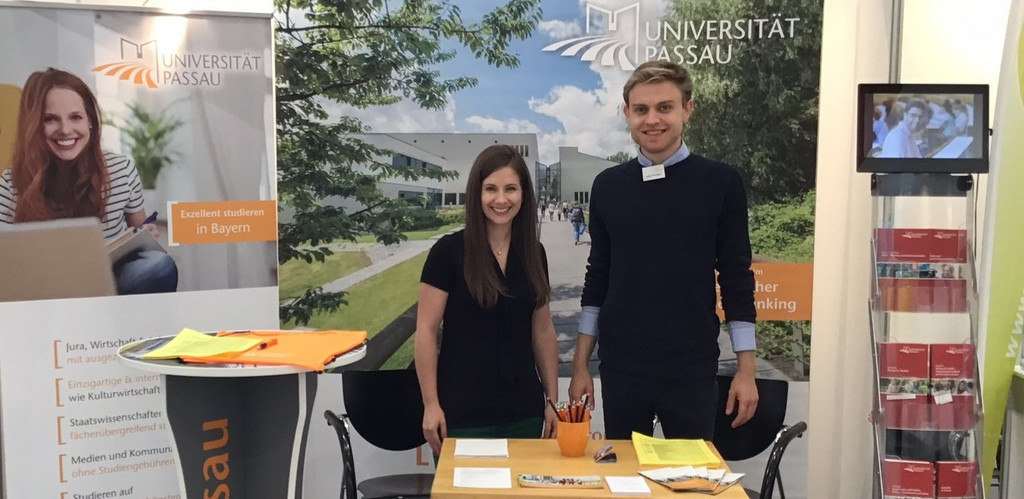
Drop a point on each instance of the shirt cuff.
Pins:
(588, 320)
(742, 336)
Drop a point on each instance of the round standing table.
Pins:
(238, 430)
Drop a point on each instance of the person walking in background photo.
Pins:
(579, 223)
(59, 171)
(488, 283)
(661, 226)
(551, 211)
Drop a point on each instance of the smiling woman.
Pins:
(489, 283)
(59, 171)
(502, 197)
(65, 124)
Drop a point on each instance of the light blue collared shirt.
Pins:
(741, 333)
(682, 153)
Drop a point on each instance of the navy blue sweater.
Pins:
(655, 248)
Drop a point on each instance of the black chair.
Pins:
(764, 429)
(386, 409)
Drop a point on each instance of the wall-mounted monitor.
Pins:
(922, 128)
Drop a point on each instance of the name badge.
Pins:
(653, 172)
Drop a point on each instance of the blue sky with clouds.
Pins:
(565, 101)
(502, 91)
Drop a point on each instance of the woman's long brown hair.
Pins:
(478, 265)
(44, 190)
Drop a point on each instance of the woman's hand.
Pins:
(550, 422)
(139, 221)
(435, 429)
(152, 228)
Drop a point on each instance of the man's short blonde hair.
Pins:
(659, 71)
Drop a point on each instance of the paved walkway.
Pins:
(382, 258)
(567, 263)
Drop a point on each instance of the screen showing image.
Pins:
(923, 128)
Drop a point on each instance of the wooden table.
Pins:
(541, 457)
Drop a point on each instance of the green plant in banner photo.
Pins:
(148, 137)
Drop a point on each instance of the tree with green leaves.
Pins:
(620, 157)
(363, 53)
(759, 110)
(784, 231)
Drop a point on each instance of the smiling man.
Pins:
(900, 142)
(661, 225)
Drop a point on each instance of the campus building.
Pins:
(577, 171)
(569, 179)
(450, 151)
(406, 156)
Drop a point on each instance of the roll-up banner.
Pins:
(1002, 275)
(186, 138)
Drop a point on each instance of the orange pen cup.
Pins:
(573, 438)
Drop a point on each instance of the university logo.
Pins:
(614, 37)
(137, 64)
(144, 64)
(615, 45)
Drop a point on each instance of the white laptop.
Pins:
(55, 259)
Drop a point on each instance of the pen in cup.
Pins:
(552, 404)
(579, 412)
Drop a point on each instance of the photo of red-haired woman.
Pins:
(58, 170)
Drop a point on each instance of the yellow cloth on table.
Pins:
(652, 451)
(307, 349)
(195, 344)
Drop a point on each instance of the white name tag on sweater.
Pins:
(653, 172)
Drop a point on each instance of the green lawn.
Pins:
(375, 302)
(372, 304)
(416, 235)
(402, 358)
(295, 276)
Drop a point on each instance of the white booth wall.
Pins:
(945, 41)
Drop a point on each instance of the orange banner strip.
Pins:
(222, 222)
(782, 291)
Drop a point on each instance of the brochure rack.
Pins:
(927, 414)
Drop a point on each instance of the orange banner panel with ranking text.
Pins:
(782, 291)
(222, 222)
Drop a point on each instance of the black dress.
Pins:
(486, 373)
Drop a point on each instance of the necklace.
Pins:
(505, 240)
(498, 251)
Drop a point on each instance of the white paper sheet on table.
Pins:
(481, 447)
(632, 485)
(483, 478)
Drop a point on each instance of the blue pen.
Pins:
(150, 219)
